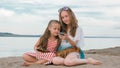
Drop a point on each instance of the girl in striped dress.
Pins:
(46, 46)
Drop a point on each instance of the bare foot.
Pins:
(25, 64)
(41, 62)
(93, 61)
(30, 63)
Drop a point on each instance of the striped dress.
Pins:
(51, 46)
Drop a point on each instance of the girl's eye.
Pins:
(66, 16)
(62, 17)
(54, 28)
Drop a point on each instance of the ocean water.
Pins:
(16, 46)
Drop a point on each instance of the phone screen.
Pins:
(62, 33)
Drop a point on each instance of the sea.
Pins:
(17, 46)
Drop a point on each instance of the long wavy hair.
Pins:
(44, 38)
(73, 21)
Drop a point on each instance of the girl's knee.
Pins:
(29, 58)
(68, 62)
(58, 60)
(25, 56)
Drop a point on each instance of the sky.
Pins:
(96, 17)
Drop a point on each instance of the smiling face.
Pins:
(54, 29)
(65, 17)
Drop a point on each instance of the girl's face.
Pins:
(65, 17)
(54, 29)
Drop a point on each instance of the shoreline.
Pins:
(90, 51)
(108, 56)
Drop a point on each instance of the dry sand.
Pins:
(110, 59)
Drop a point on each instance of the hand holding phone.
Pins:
(62, 33)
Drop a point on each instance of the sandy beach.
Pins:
(109, 57)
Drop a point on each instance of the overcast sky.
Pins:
(96, 17)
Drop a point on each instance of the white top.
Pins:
(78, 37)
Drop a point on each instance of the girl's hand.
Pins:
(64, 37)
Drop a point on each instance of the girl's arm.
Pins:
(65, 37)
(73, 43)
(78, 39)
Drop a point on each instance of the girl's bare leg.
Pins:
(93, 61)
(58, 60)
(42, 61)
(27, 63)
(28, 60)
(37, 62)
(74, 59)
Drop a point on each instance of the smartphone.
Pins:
(62, 33)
